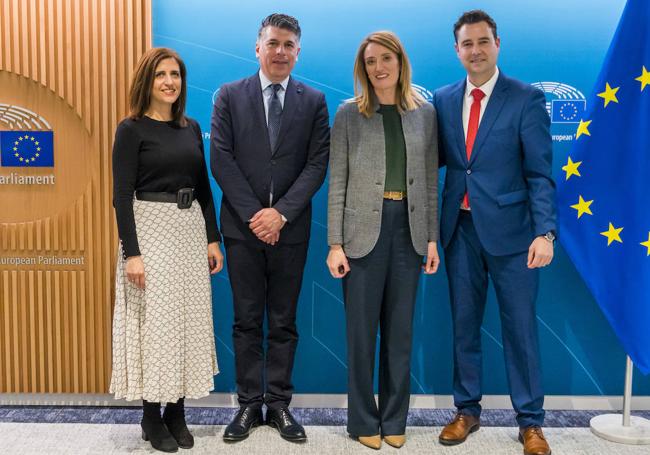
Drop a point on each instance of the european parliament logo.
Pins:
(565, 104)
(424, 92)
(27, 148)
(29, 142)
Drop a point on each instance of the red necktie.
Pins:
(472, 129)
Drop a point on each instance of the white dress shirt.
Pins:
(267, 92)
(468, 99)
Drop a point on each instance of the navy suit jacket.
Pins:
(243, 163)
(508, 176)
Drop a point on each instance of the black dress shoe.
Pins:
(285, 423)
(174, 418)
(246, 418)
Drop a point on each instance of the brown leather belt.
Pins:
(395, 195)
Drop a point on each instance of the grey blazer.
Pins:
(357, 172)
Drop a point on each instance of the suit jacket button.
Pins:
(272, 162)
(469, 171)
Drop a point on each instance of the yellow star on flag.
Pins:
(609, 94)
(31, 138)
(612, 234)
(36, 143)
(583, 128)
(571, 168)
(582, 206)
(26, 136)
(644, 78)
(647, 244)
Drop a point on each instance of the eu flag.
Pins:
(27, 148)
(604, 191)
(567, 111)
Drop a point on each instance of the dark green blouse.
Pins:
(395, 148)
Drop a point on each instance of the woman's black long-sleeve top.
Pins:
(157, 156)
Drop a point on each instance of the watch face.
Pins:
(550, 236)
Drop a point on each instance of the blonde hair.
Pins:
(407, 98)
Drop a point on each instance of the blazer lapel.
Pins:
(292, 101)
(492, 110)
(457, 119)
(254, 91)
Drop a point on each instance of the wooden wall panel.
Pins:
(55, 320)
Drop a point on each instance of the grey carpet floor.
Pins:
(307, 416)
(85, 438)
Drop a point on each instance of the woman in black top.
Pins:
(163, 340)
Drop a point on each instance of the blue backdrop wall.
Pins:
(557, 44)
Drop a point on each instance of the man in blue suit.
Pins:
(269, 152)
(498, 220)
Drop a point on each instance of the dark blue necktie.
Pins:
(275, 115)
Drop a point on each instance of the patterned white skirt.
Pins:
(163, 337)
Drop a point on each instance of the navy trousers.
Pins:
(265, 280)
(379, 292)
(468, 266)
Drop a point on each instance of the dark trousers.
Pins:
(380, 291)
(468, 266)
(267, 279)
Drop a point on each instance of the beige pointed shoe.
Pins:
(395, 440)
(374, 442)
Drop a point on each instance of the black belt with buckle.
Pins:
(183, 198)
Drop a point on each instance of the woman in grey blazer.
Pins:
(382, 219)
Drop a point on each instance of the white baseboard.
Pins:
(573, 402)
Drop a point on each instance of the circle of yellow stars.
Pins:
(583, 207)
(26, 139)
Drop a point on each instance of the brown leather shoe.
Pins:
(534, 441)
(458, 429)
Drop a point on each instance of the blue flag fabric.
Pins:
(604, 190)
(27, 148)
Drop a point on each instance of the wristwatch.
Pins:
(550, 236)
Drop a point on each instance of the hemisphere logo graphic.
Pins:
(564, 103)
(424, 92)
(214, 95)
(26, 138)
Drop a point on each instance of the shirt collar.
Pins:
(266, 82)
(486, 88)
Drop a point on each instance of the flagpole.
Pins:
(629, 430)
(627, 391)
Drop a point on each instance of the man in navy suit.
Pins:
(498, 220)
(269, 152)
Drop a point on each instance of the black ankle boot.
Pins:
(154, 430)
(174, 418)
